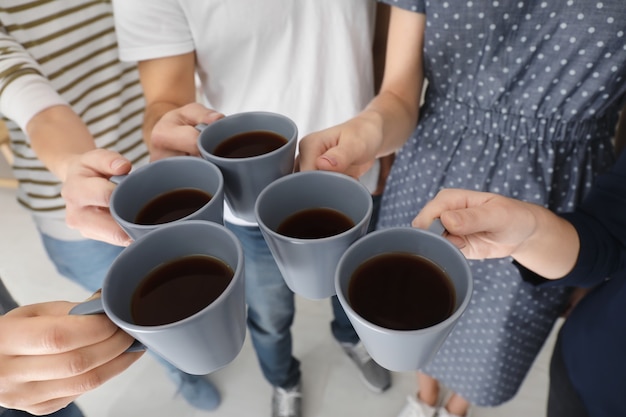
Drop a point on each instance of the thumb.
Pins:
(340, 158)
(330, 161)
(466, 221)
(106, 162)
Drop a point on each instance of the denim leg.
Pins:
(85, 262)
(71, 410)
(271, 309)
(341, 327)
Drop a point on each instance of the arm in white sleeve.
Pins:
(24, 90)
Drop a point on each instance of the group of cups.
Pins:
(178, 289)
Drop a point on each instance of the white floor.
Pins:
(330, 382)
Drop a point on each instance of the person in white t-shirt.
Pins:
(311, 60)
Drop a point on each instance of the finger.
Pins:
(50, 309)
(445, 200)
(343, 160)
(96, 223)
(466, 221)
(459, 242)
(338, 159)
(88, 191)
(481, 216)
(46, 334)
(175, 133)
(67, 364)
(310, 148)
(45, 397)
(174, 141)
(106, 162)
(193, 114)
(39, 409)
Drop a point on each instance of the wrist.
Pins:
(551, 248)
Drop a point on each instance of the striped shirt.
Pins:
(65, 52)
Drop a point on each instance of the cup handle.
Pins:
(116, 179)
(95, 307)
(201, 126)
(437, 227)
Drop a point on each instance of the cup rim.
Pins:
(293, 176)
(161, 230)
(211, 156)
(431, 329)
(189, 159)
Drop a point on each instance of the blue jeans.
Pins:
(340, 326)
(85, 262)
(271, 309)
(70, 411)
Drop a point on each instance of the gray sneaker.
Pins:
(287, 402)
(375, 377)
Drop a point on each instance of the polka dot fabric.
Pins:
(523, 101)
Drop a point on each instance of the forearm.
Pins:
(396, 107)
(397, 119)
(152, 115)
(168, 83)
(57, 136)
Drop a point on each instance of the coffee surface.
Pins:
(315, 223)
(172, 205)
(401, 291)
(248, 144)
(178, 289)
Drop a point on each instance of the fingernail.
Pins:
(118, 163)
(331, 161)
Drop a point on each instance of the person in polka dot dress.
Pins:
(522, 100)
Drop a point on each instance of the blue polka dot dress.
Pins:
(523, 100)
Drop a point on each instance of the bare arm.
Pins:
(389, 119)
(58, 136)
(57, 133)
(397, 103)
(169, 84)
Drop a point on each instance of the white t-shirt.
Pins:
(310, 60)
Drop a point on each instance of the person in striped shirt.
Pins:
(64, 94)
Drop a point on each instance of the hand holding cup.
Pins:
(179, 290)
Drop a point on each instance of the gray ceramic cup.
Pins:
(136, 189)
(308, 265)
(405, 350)
(245, 178)
(203, 342)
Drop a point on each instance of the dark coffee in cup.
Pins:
(248, 144)
(172, 205)
(178, 289)
(401, 291)
(315, 223)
